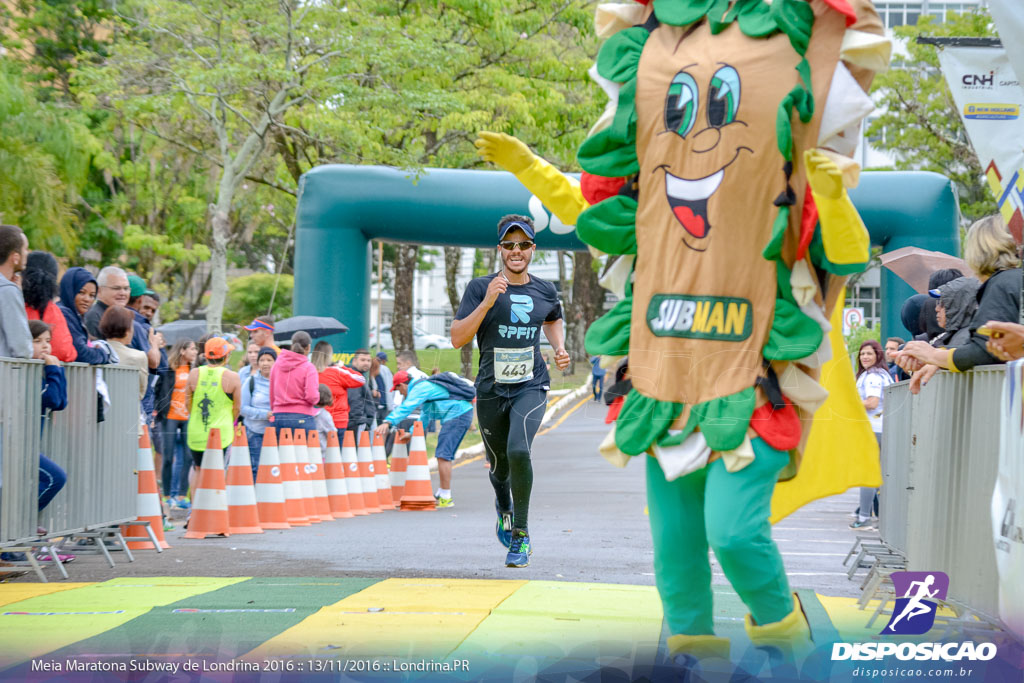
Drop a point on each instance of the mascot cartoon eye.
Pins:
(724, 97)
(681, 104)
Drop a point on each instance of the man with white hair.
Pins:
(114, 290)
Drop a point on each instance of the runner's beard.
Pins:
(519, 267)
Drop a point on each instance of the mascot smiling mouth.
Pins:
(689, 200)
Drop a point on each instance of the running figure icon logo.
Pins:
(914, 613)
(522, 304)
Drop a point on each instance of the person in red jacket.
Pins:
(39, 287)
(294, 387)
(339, 380)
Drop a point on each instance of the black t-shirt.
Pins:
(510, 334)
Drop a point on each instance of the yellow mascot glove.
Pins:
(843, 234)
(559, 193)
(510, 153)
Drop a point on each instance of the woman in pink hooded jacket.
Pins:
(294, 387)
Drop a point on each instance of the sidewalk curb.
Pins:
(561, 404)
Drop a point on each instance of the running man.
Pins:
(915, 607)
(505, 311)
(445, 397)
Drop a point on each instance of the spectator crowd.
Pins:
(187, 390)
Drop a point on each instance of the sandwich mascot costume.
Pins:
(718, 174)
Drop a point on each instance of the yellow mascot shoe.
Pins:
(791, 636)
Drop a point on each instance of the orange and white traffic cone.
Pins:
(365, 456)
(210, 499)
(399, 463)
(147, 501)
(380, 473)
(316, 475)
(302, 471)
(353, 482)
(243, 517)
(417, 495)
(269, 487)
(293, 505)
(334, 474)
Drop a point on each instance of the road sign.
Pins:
(852, 317)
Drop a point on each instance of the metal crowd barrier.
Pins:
(98, 457)
(940, 453)
(20, 394)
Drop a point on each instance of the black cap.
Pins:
(512, 225)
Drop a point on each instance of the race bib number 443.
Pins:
(512, 366)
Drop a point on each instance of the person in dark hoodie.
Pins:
(957, 302)
(77, 294)
(992, 254)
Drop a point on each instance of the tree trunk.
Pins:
(452, 258)
(221, 230)
(586, 306)
(401, 319)
(492, 261)
(562, 284)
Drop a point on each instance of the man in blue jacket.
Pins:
(445, 397)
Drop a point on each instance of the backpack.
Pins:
(458, 388)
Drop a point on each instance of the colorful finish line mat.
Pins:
(274, 629)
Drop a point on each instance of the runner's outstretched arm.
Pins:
(465, 329)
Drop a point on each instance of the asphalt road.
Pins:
(587, 523)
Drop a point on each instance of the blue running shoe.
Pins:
(503, 527)
(520, 550)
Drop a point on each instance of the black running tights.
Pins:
(508, 426)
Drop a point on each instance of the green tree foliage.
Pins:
(56, 36)
(920, 124)
(44, 157)
(249, 297)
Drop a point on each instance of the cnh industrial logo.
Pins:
(914, 615)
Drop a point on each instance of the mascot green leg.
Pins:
(727, 512)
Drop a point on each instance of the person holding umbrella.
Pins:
(992, 254)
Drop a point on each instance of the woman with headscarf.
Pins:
(957, 303)
(39, 287)
(77, 294)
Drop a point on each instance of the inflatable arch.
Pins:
(342, 207)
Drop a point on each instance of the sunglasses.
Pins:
(509, 246)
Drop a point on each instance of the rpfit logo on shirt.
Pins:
(700, 317)
(914, 612)
(522, 304)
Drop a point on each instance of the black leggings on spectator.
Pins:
(508, 426)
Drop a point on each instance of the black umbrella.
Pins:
(182, 329)
(316, 326)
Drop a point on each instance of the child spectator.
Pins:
(324, 421)
(55, 397)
